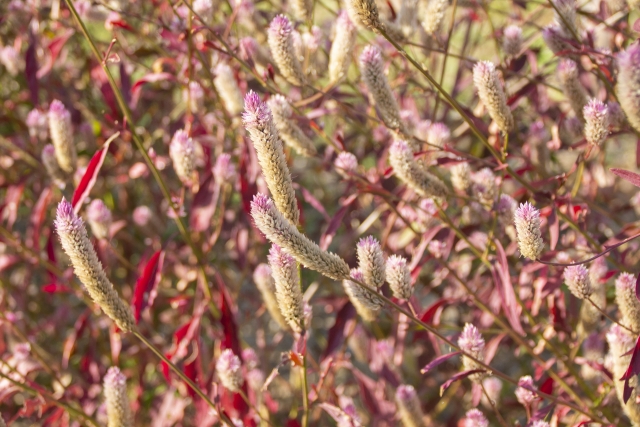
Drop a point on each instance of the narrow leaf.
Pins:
(554, 229)
(632, 177)
(438, 360)
(430, 313)
(456, 377)
(632, 371)
(339, 329)
(144, 290)
(505, 287)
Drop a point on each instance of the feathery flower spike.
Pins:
(367, 304)
(555, 39)
(62, 136)
(364, 12)
(183, 155)
(259, 123)
(38, 124)
(228, 89)
(287, 283)
(76, 244)
(527, 222)
(341, 47)
(289, 131)
(301, 9)
(475, 418)
(461, 177)
(50, 163)
(99, 218)
(263, 278)
(523, 393)
(409, 408)
(491, 93)
(115, 393)
(628, 304)
(371, 262)
(596, 117)
(628, 87)
(399, 277)
(284, 234)
(281, 43)
(224, 170)
(471, 342)
(432, 14)
(412, 173)
(229, 370)
(572, 87)
(512, 40)
(577, 279)
(620, 345)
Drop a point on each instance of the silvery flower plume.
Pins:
(628, 86)
(223, 169)
(372, 71)
(228, 89)
(572, 87)
(527, 222)
(399, 277)
(620, 347)
(229, 370)
(263, 278)
(283, 233)
(555, 39)
(283, 50)
(577, 280)
(484, 186)
(287, 285)
(409, 408)
(50, 163)
(38, 124)
(99, 218)
(491, 93)
(512, 40)
(431, 13)
(566, 14)
(461, 177)
(438, 134)
(524, 395)
(367, 303)
(62, 136)
(371, 262)
(628, 304)
(364, 13)
(596, 117)
(346, 164)
(76, 244)
(182, 151)
(196, 97)
(289, 131)
(475, 418)
(301, 9)
(258, 121)
(472, 343)
(117, 402)
(341, 48)
(413, 174)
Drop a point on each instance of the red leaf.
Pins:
(339, 329)
(438, 360)
(149, 78)
(89, 178)
(547, 386)
(456, 377)
(38, 215)
(144, 292)
(428, 315)
(54, 288)
(229, 326)
(204, 205)
(327, 237)
(315, 203)
(502, 279)
(554, 229)
(632, 371)
(54, 47)
(31, 69)
(632, 177)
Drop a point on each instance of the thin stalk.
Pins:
(446, 56)
(609, 317)
(305, 393)
(493, 406)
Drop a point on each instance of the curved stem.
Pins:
(609, 317)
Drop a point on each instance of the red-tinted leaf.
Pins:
(457, 377)
(227, 319)
(51, 254)
(53, 288)
(428, 315)
(632, 371)
(308, 197)
(204, 204)
(554, 229)
(547, 386)
(339, 329)
(438, 360)
(145, 289)
(38, 215)
(149, 78)
(632, 177)
(502, 279)
(31, 69)
(327, 237)
(91, 174)
(492, 347)
(55, 47)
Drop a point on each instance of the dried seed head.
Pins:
(289, 131)
(183, 155)
(346, 164)
(372, 71)
(259, 123)
(527, 222)
(283, 233)
(266, 285)
(38, 124)
(628, 304)
(99, 218)
(409, 408)
(229, 370)
(399, 277)
(461, 177)
(555, 39)
(512, 40)
(487, 82)
(438, 134)
(431, 15)
(282, 47)
(228, 89)
(50, 163)
(475, 418)
(371, 262)
(367, 304)
(287, 284)
(628, 87)
(596, 116)
(364, 12)
(412, 173)
(577, 279)
(341, 47)
(115, 393)
(224, 170)
(76, 244)
(572, 87)
(523, 393)
(62, 136)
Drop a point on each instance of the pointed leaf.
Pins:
(632, 177)
(429, 314)
(632, 371)
(339, 329)
(502, 279)
(456, 377)
(554, 229)
(144, 291)
(438, 360)
(90, 176)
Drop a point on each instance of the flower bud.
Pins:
(62, 136)
(523, 393)
(409, 408)
(555, 39)
(577, 279)
(628, 304)
(527, 222)
(367, 304)
(183, 155)
(596, 116)
(432, 14)
(346, 164)
(287, 285)
(228, 89)
(289, 131)
(628, 87)
(512, 40)
(341, 48)
(99, 218)
(263, 279)
(229, 370)
(399, 277)
(115, 393)
(475, 418)
(491, 93)
(283, 51)
(572, 87)
(413, 174)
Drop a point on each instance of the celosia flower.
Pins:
(475, 418)
(283, 233)
(229, 370)
(287, 284)
(62, 136)
(372, 70)
(364, 12)
(259, 123)
(596, 116)
(512, 40)
(283, 51)
(10, 58)
(228, 89)
(289, 131)
(438, 134)
(346, 164)
(628, 304)
(51, 165)
(38, 124)
(555, 39)
(484, 186)
(461, 176)
(301, 9)
(431, 15)
(491, 93)
(367, 304)
(567, 16)
(409, 408)
(202, 7)
(371, 262)
(412, 173)
(524, 392)
(506, 208)
(99, 218)
(527, 222)
(117, 402)
(572, 87)
(88, 268)
(399, 277)
(616, 115)
(577, 279)
(196, 97)
(540, 423)
(142, 215)
(183, 155)
(263, 279)
(341, 47)
(224, 170)
(472, 343)
(628, 87)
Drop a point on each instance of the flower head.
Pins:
(596, 116)
(38, 124)
(491, 93)
(524, 392)
(291, 134)
(346, 163)
(341, 47)
(431, 15)
(62, 136)
(282, 47)
(577, 279)
(475, 418)
(438, 134)
(409, 407)
(51, 165)
(228, 89)
(628, 304)
(471, 340)
(399, 277)
(512, 40)
(367, 303)
(229, 370)
(628, 88)
(263, 278)
(527, 222)
(413, 174)
(555, 39)
(364, 12)
(371, 262)
(115, 392)
(99, 217)
(287, 286)
(224, 170)
(572, 86)
(182, 151)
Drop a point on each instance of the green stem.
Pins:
(305, 393)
